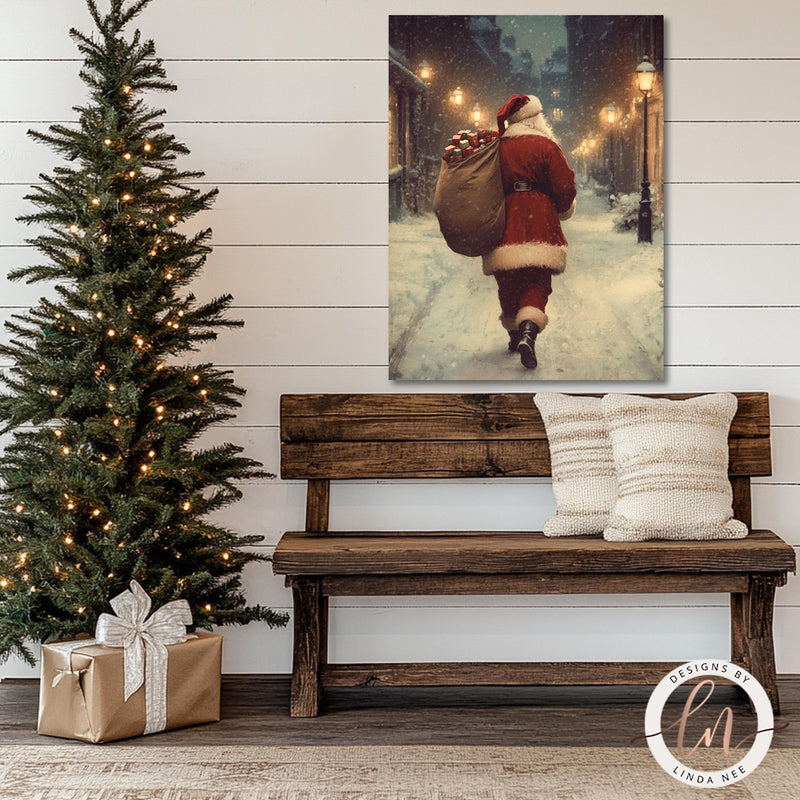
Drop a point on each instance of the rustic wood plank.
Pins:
(760, 606)
(411, 417)
(540, 583)
(401, 553)
(318, 503)
(483, 673)
(517, 458)
(742, 505)
(306, 686)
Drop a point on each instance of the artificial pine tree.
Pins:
(106, 483)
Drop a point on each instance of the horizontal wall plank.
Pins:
(514, 634)
(265, 90)
(357, 215)
(356, 152)
(280, 91)
(292, 336)
(247, 29)
(239, 153)
(255, 276)
(270, 215)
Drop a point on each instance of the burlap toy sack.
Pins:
(470, 204)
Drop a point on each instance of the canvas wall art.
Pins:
(526, 205)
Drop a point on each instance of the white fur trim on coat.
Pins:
(569, 212)
(529, 254)
(521, 129)
(535, 315)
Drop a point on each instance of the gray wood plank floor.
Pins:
(255, 712)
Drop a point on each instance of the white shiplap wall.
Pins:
(284, 107)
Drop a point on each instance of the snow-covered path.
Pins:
(606, 310)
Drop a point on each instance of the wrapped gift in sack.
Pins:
(138, 675)
(469, 201)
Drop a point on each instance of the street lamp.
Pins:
(425, 72)
(457, 97)
(645, 78)
(611, 116)
(476, 114)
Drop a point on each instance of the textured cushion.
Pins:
(671, 460)
(582, 463)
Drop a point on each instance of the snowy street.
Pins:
(605, 313)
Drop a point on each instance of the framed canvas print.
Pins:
(526, 205)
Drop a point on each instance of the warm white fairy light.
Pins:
(108, 526)
(108, 142)
(74, 229)
(96, 512)
(95, 201)
(3, 583)
(207, 606)
(126, 89)
(19, 508)
(116, 422)
(139, 341)
(168, 276)
(147, 147)
(132, 173)
(81, 609)
(104, 457)
(111, 332)
(104, 238)
(58, 433)
(187, 506)
(152, 454)
(99, 315)
(172, 219)
(160, 366)
(54, 392)
(126, 197)
(127, 156)
(111, 387)
(195, 378)
(94, 296)
(66, 450)
(144, 467)
(203, 392)
(226, 556)
(159, 409)
(58, 315)
(68, 539)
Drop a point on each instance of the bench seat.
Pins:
(490, 552)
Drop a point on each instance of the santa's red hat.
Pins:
(517, 108)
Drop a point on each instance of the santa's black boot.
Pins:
(513, 341)
(528, 331)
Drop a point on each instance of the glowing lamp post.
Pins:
(425, 72)
(476, 114)
(457, 97)
(645, 78)
(611, 116)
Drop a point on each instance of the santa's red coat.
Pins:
(533, 235)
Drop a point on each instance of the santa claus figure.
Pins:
(540, 192)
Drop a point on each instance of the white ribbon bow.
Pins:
(144, 642)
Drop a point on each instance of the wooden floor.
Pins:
(255, 711)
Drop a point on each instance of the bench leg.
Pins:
(759, 604)
(739, 629)
(309, 645)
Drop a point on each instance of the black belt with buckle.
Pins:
(527, 186)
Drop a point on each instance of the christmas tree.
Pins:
(106, 482)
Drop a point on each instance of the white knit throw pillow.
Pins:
(671, 459)
(582, 463)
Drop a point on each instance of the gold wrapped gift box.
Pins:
(82, 694)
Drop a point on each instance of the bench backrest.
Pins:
(344, 436)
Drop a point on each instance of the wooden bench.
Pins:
(421, 436)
